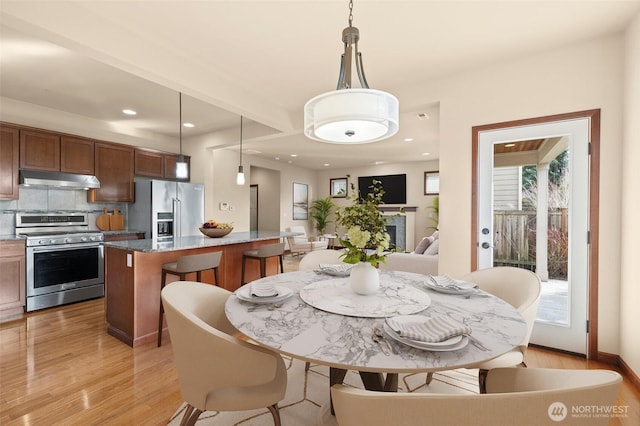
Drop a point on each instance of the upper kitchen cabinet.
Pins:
(9, 162)
(114, 168)
(156, 164)
(77, 155)
(149, 163)
(170, 161)
(40, 150)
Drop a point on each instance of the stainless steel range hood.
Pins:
(40, 179)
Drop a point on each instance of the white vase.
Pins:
(364, 278)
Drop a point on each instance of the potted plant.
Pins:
(367, 240)
(319, 212)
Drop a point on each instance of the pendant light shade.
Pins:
(347, 115)
(240, 175)
(182, 170)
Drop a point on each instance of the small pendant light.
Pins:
(240, 175)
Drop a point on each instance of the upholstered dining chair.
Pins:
(515, 396)
(217, 371)
(518, 287)
(311, 260)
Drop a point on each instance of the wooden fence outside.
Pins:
(515, 240)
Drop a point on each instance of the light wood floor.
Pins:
(59, 366)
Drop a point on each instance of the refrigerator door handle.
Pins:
(177, 218)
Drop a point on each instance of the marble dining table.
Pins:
(337, 330)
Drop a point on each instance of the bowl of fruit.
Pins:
(214, 229)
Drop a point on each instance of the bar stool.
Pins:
(186, 265)
(262, 254)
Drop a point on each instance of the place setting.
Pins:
(447, 285)
(261, 292)
(436, 334)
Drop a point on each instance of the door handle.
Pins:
(486, 245)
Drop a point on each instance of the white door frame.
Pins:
(594, 129)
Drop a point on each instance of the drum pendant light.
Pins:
(347, 115)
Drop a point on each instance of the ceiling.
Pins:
(264, 59)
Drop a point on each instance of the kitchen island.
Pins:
(133, 273)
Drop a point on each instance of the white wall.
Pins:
(269, 189)
(629, 288)
(574, 78)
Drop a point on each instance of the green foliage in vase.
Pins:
(367, 239)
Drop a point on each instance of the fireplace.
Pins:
(391, 230)
(397, 230)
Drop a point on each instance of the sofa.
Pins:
(422, 260)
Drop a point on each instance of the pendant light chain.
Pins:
(241, 140)
(350, 13)
(180, 123)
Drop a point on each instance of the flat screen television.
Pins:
(395, 187)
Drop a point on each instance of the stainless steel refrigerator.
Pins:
(165, 209)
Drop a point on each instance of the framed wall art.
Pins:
(300, 201)
(338, 187)
(432, 183)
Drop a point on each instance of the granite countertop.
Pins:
(197, 241)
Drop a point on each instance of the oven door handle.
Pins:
(60, 247)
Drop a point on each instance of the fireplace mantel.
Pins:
(400, 209)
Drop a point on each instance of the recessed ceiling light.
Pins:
(378, 162)
(426, 153)
(326, 164)
(422, 116)
(290, 162)
(189, 125)
(294, 155)
(408, 139)
(129, 112)
(510, 145)
(277, 158)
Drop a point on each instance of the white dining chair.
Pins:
(518, 287)
(515, 396)
(312, 260)
(217, 371)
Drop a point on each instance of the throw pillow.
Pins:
(423, 244)
(436, 235)
(433, 248)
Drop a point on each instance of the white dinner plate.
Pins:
(244, 293)
(452, 344)
(447, 290)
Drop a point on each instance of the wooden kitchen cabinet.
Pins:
(39, 150)
(77, 155)
(170, 161)
(159, 165)
(149, 164)
(12, 279)
(114, 166)
(9, 162)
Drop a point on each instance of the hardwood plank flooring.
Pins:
(60, 367)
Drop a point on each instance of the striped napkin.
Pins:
(430, 330)
(263, 289)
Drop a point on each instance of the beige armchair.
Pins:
(301, 244)
(515, 396)
(216, 371)
(519, 287)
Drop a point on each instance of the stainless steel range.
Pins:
(65, 260)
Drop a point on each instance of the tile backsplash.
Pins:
(53, 200)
